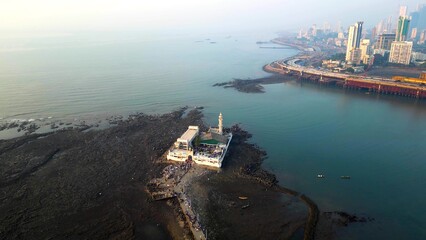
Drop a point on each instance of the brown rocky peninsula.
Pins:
(74, 184)
(255, 85)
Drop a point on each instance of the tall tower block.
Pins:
(403, 26)
(220, 130)
(354, 40)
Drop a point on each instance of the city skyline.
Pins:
(191, 15)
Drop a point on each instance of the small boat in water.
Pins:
(345, 177)
(320, 176)
(243, 198)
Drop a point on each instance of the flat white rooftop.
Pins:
(189, 135)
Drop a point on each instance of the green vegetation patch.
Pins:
(209, 141)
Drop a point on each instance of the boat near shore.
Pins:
(320, 176)
(242, 198)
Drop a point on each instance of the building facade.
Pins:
(402, 10)
(353, 53)
(204, 148)
(401, 52)
(422, 38)
(403, 27)
(418, 18)
(354, 56)
(365, 50)
(385, 41)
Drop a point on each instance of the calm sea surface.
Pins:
(307, 130)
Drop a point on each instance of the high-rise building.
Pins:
(413, 33)
(388, 27)
(385, 41)
(414, 19)
(402, 30)
(401, 52)
(373, 34)
(354, 40)
(402, 11)
(380, 27)
(365, 50)
(300, 35)
(354, 56)
(418, 18)
(314, 30)
(356, 31)
(422, 38)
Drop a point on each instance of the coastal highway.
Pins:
(290, 64)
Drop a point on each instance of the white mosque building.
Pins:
(205, 148)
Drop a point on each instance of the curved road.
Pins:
(290, 64)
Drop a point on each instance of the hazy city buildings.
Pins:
(380, 27)
(413, 33)
(396, 44)
(365, 51)
(388, 28)
(403, 11)
(385, 41)
(402, 30)
(401, 52)
(353, 52)
(422, 38)
(401, 49)
(418, 19)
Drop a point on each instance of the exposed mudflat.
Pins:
(71, 184)
(80, 184)
(91, 185)
(265, 214)
(254, 85)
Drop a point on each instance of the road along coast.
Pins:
(292, 69)
(374, 84)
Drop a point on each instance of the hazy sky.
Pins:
(188, 15)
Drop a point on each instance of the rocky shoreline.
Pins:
(255, 85)
(75, 183)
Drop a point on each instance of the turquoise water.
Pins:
(307, 130)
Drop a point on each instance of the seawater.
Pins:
(306, 129)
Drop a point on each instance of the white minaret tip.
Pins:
(220, 124)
